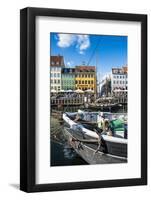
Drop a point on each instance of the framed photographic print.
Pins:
(83, 99)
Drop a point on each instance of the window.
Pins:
(51, 81)
(85, 82)
(82, 82)
(54, 74)
(88, 82)
(59, 81)
(91, 82)
(91, 75)
(79, 82)
(58, 75)
(55, 81)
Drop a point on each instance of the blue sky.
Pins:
(105, 50)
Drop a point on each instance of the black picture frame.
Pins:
(28, 99)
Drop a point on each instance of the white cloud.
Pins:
(81, 42)
(70, 63)
(65, 40)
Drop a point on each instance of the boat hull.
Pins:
(89, 152)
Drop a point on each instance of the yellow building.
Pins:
(85, 78)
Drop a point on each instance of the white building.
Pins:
(119, 80)
(56, 65)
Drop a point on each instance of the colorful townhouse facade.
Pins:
(76, 78)
(68, 79)
(85, 78)
(56, 65)
(119, 79)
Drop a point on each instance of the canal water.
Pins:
(60, 152)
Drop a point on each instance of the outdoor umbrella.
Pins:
(61, 91)
(53, 91)
(89, 91)
(69, 91)
(79, 91)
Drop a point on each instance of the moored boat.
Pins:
(89, 151)
(89, 135)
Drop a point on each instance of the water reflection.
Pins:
(62, 155)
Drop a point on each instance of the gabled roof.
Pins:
(85, 69)
(57, 61)
(122, 70)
